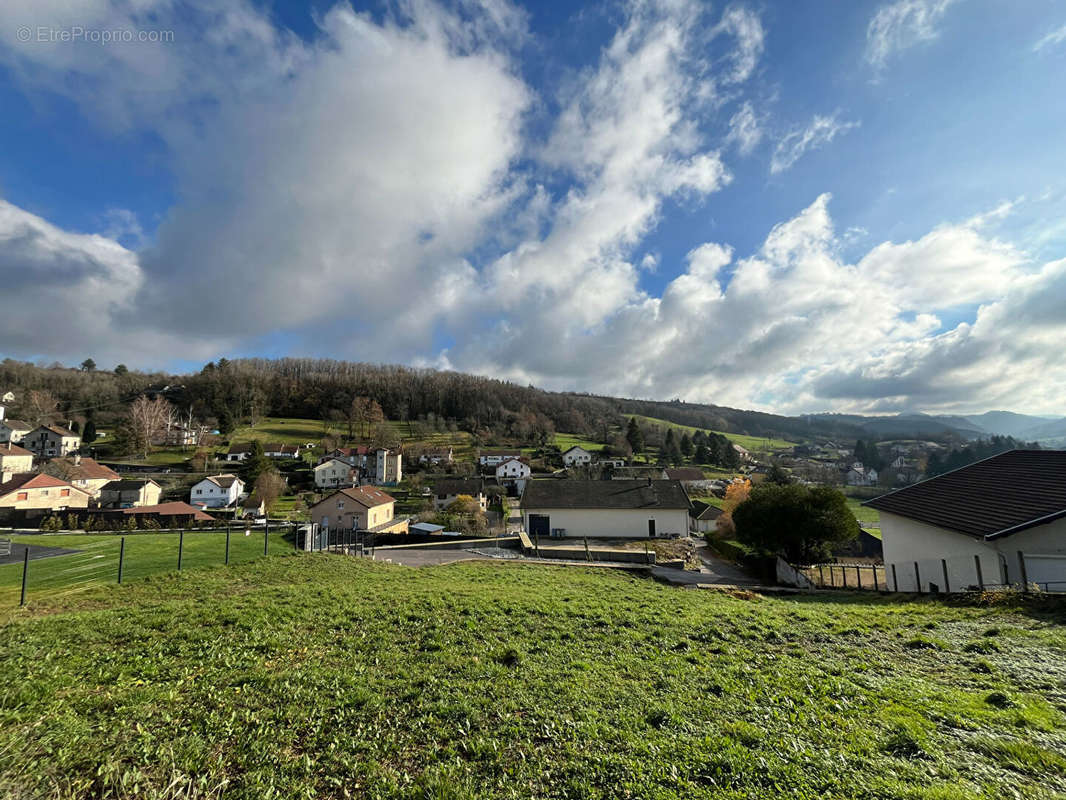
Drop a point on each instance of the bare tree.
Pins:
(145, 420)
(269, 486)
(41, 405)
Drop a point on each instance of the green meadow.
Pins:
(320, 676)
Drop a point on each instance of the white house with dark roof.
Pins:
(50, 441)
(513, 469)
(14, 430)
(577, 456)
(216, 491)
(1001, 521)
(623, 509)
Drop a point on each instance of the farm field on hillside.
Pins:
(314, 675)
(755, 444)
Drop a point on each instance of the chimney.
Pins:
(77, 459)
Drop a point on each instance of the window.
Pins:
(199, 491)
(44, 493)
(23, 496)
(64, 492)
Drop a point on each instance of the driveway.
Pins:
(18, 553)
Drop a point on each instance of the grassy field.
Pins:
(96, 562)
(754, 444)
(869, 518)
(312, 675)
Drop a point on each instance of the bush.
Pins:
(799, 523)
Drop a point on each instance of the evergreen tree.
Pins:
(635, 436)
(88, 435)
(686, 446)
(258, 463)
(702, 454)
(121, 369)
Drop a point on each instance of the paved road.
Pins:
(416, 557)
(36, 552)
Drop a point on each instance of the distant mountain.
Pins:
(1048, 430)
(1007, 423)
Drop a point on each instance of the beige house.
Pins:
(362, 508)
(85, 473)
(335, 474)
(445, 492)
(28, 491)
(628, 509)
(388, 467)
(14, 459)
(130, 493)
(14, 430)
(51, 441)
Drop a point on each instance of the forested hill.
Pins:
(228, 391)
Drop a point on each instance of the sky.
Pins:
(788, 206)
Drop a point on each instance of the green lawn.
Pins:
(283, 430)
(564, 441)
(869, 518)
(754, 444)
(313, 675)
(96, 562)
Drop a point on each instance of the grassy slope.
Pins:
(755, 444)
(96, 562)
(320, 676)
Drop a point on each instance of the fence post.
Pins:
(181, 546)
(536, 544)
(25, 569)
(895, 579)
(227, 544)
(917, 577)
(1025, 575)
(947, 585)
(875, 578)
(646, 559)
(980, 576)
(821, 574)
(843, 575)
(266, 539)
(121, 556)
(296, 536)
(588, 555)
(858, 576)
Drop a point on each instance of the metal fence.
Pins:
(54, 565)
(838, 575)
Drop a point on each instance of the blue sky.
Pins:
(789, 206)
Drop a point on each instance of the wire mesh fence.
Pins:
(64, 564)
(846, 576)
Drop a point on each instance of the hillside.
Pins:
(320, 676)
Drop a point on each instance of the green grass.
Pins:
(869, 518)
(754, 444)
(310, 675)
(283, 430)
(96, 562)
(564, 441)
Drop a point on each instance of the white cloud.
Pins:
(745, 131)
(902, 24)
(746, 27)
(1052, 39)
(819, 132)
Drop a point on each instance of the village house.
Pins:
(14, 430)
(278, 450)
(360, 508)
(356, 456)
(491, 458)
(513, 469)
(170, 514)
(253, 506)
(217, 491)
(14, 459)
(613, 463)
(620, 509)
(29, 491)
(130, 493)
(446, 491)
(85, 473)
(440, 455)
(857, 475)
(335, 473)
(49, 441)
(239, 451)
(692, 478)
(703, 517)
(1001, 521)
(577, 456)
(388, 467)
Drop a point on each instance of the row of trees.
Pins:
(701, 447)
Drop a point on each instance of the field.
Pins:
(310, 675)
(754, 444)
(96, 562)
(869, 518)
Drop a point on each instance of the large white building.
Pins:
(577, 456)
(1001, 521)
(624, 509)
(216, 491)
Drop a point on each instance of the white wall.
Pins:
(906, 541)
(613, 523)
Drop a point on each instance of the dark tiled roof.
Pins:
(18, 424)
(995, 497)
(705, 511)
(127, 485)
(175, 509)
(685, 474)
(449, 486)
(605, 494)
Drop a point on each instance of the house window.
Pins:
(199, 491)
(23, 496)
(44, 493)
(64, 492)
